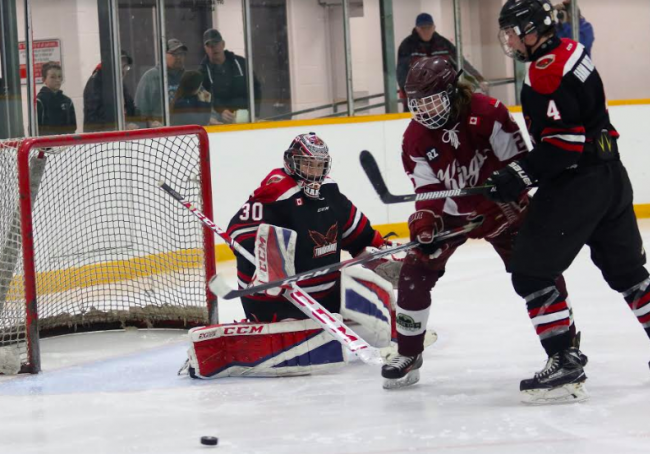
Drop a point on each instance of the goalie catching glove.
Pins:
(387, 268)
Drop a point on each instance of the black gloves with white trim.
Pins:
(508, 183)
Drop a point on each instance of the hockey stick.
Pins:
(228, 293)
(301, 299)
(371, 168)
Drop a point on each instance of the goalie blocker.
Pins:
(295, 347)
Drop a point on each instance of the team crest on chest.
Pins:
(325, 244)
(545, 61)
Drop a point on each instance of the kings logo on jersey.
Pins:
(325, 244)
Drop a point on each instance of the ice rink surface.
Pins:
(119, 392)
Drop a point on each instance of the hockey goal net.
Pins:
(89, 241)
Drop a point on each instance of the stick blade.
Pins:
(370, 166)
(220, 287)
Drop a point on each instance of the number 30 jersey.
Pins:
(324, 227)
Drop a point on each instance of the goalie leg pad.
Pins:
(369, 300)
(286, 348)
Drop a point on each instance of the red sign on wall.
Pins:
(44, 50)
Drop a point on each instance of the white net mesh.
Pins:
(111, 248)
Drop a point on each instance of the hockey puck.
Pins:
(210, 441)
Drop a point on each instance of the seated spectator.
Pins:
(95, 115)
(225, 77)
(564, 28)
(55, 111)
(191, 104)
(148, 98)
(424, 41)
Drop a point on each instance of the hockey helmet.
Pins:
(519, 18)
(309, 162)
(431, 86)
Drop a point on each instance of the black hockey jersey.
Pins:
(324, 227)
(565, 109)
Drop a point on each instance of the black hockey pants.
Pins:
(591, 206)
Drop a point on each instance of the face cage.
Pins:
(504, 37)
(431, 111)
(311, 172)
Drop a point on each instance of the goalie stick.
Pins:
(228, 293)
(301, 299)
(371, 168)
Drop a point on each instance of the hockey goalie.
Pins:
(298, 220)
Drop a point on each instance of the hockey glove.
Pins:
(423, 227)
(508, 183)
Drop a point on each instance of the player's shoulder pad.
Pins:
(545, 75)
(275, 187)
(413, 136)
(485, 106)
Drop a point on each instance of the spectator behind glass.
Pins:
(191, 104)
(148, 98)
(564, 29)
(224, 76)
(95, 116)
(55, 111)
(424, 41)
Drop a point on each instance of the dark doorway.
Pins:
(270, 43)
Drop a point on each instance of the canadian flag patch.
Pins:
(474, 121)
(299, 201)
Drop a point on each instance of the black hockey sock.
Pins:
(638, 299)
(548, 310)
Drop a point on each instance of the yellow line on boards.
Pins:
(56, 281)
(362, 119)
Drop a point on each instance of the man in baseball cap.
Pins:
(148, 96)
(212, 36)
(225, 77)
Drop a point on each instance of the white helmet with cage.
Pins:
(309, 162)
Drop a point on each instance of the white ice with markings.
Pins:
(119, 392)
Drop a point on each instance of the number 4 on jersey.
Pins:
(553, 111)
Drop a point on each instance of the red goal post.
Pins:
(88, 241)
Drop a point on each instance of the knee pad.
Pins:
(286, 348)
(627, 281)
(525, 285)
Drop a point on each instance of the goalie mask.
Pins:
(309, 162)
(520, 18)
(431, 86)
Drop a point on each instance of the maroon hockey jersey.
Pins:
(462, 154)
(324, 227)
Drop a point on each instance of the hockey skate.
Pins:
(401, 371)
(561, 381)
(387, 353)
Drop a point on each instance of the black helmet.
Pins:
(521, 18)
(431, 86)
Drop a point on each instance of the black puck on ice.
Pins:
(210, 441)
